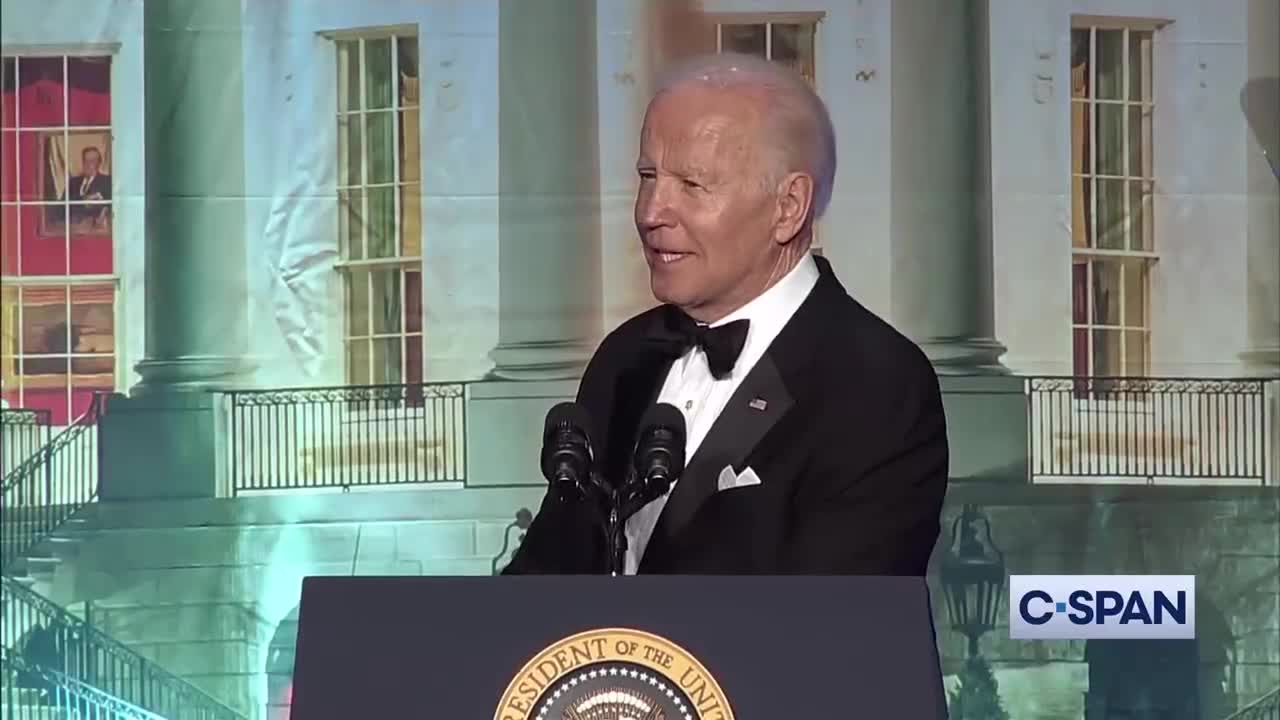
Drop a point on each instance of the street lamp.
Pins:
(523, 519)
(973, 576)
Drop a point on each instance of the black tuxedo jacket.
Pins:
(100, 184)
(850, 446)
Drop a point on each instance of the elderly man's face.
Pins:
(703, 214)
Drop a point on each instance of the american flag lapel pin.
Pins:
(758, 404)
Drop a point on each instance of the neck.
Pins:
(786, 259)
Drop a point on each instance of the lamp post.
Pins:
(973, 580)
(973, 576)
(523, 519)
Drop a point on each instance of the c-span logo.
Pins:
(1119, 607)
(614, 674)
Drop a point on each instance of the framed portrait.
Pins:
(75, 170)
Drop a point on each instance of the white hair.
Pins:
(796, 120)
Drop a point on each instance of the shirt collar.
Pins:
(781, 299)
(770, 311)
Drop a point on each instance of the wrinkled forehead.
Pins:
(710, 123)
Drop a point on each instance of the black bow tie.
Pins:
(723, 344)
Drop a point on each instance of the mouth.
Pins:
(664, 256)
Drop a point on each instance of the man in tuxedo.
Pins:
(89, 186)
(816, 439)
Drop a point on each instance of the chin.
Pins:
(665, 291)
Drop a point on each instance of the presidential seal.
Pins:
(613, 674)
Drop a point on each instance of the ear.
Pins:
(795, 198)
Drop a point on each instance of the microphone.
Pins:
(659, 454)
(657, 461)
(566, 450)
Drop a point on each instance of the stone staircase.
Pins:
(48, 499)
(29, 704)
(1266, 707)
(1256, 579)
(201, 587)
(46, 644)
(37, 566)
(62, 696)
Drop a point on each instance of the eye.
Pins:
(647, 174)
(690, 184)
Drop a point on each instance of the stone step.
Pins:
(18, 570)
(1255, 680)
(61, 542)
(20, 697)
(32, 711)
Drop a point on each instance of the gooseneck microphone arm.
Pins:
(569, 464)
(657, 462)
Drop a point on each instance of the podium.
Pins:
(646, 647)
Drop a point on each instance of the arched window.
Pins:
(279, 667)
(1164, 679)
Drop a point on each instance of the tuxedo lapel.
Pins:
(773, 387)
(637, 387)
(755, 407)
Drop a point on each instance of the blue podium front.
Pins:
(605, 648)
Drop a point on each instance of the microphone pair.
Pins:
(570, 466)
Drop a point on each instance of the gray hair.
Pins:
(796, 120)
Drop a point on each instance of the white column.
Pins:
(941, 189)
(549, 292)
(197, 314)
(162, 440)
(941, 263)
(627, 55)
(548, 189)
(1259, 101)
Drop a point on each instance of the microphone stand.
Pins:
(617, 539)
(615, 522)
(623, 502)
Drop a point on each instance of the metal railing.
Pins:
(23, 431)
(33, 692)
(1148, 429)
(50, 486)
(345, 437)
(1266, 707)
(53, 638)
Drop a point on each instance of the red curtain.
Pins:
(35, 91)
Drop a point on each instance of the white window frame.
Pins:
(67, 280)
(1128, 259)
(400, 262)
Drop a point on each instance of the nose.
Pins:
(653, 207)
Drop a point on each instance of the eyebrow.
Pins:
(686, 169)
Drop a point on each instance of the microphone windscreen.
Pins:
(664, 415)
(568, 414)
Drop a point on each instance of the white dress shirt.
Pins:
(701, 398)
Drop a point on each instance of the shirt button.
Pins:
(688, 404)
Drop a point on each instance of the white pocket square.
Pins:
(730, 479)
